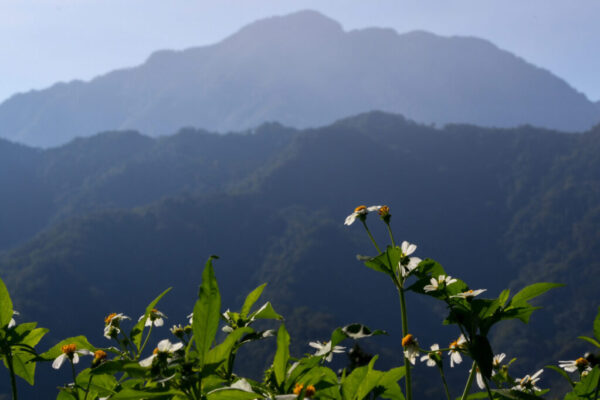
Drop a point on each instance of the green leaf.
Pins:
(386, 262)
(80, 341)
(370, 380)
(482, 353)
(6, 305)
(206, 312)
(359, 331)
(231, 394)
(282, 355)
(389, 383)
(112, 367)
(561, 372)
(597, 325)
(587, 385)
(514, 394)
(266, 312)
(531, 291)
(589, 340)
(221, 352)
(22, 367)
(352, 382)
(132, 394)
(138, 329)
(251, 299)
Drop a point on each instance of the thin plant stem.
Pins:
(145, 342)
(391, 234)
(13, 380)
(407, 379)
(469, 381)
(74, 378)
(444, 382)
(88, 387)
(371, 236)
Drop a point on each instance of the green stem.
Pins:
(444, 382)
(391, 234)
(88, 387)
(469, 381)
(407, 380)
(371, 236)
(74, 378)
(145, 342)
(13, 380)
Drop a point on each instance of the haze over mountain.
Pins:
(497, 207)
(303, 70)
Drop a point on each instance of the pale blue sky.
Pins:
(45, 41)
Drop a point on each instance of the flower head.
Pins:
(528, 383)
(360, 212)
(434, 356)
(112, 324)
(411, 348)
(165, 349)
(309, 391)
(469, 294)
(178, 331)
(407, 264)
(69, 351)
(155, 318)
(440, 282)
(12, 320)
(455, 347)
(325, 348)
(581, 365)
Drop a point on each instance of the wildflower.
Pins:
(454, 353)
(164, 349)
(496, 362)
(309, 391)
(411, 348)
(437, 283)
(178, 331)
(12, 320)
(99, 357)
(581, 365)
(469, 294)
(479, 378)
(361, 213)
(407, 264)
(69, 351)
(155, 318)
(528, 382)
(434, 356)
(112, 324)
(325, 348)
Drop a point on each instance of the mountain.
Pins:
(303, 70)
(497, 207)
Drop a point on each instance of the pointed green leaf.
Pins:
(231, 394)
(266, 312)
(221, 352)
(561, 372)
(251, 299)
(132, 394)
(531, 291)
(206, 312)
(370, 380)
(359, 331)
(282, 355)
(138, 329)
(6, 305)
(589, 340)
(588, 384)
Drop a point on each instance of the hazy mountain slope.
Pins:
(303, 70)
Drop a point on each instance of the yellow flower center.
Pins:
(155, 351)
(99, 355)
(581, 362)
(408, 340)
(360, 209)
(69, 348)
(298, 388)
(384, 210)
(109, 318)
(310, 391)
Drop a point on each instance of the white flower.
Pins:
(581, 365)
(479, 378)
(411, 348)
(191, 318)
(454, 353)
(69, 351)
(430, 357)
(528, 382)
(12, 320)
(166, 348)
(436, 283)
(325, 348)
(469, 294)
(407, 264)
(155, 318)
(111, 324)
(360, 210)
(496, 362)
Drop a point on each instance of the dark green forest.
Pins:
(88, 226)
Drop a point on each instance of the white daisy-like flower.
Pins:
(69, 351)
(581, 365)
(454, 353)
(112, 324)
(358, 211)
(496, 362)
(478, 378)
(437, 283)
(325, 348)
(155, 318)
(411, 348)
(12, 320)
(408, 264)
(430, 357)
(165, 348)
(469, 294)
(528, 382)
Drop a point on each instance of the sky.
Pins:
(46, 41)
